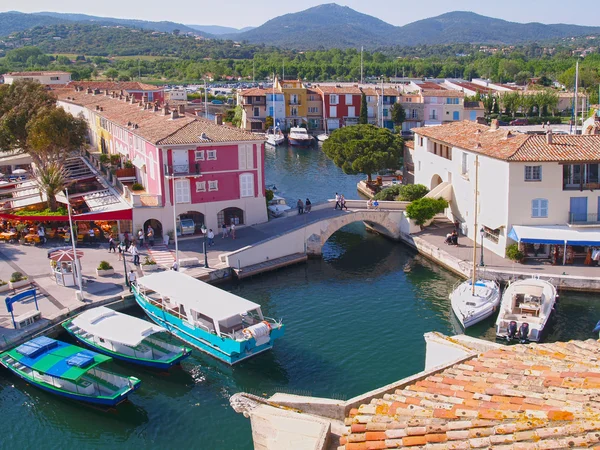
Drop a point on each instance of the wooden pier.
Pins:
(270, 264)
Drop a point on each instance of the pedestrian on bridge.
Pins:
(307, 206)
(300, 206)
(337, 201)
(343, 202)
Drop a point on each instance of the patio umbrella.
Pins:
(64, 255)
(19, 172)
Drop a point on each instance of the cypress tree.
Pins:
(363, 119)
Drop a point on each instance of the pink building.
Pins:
(140, 91)
(212, 173)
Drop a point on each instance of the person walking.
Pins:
(343, 202)
(211, 237)
(232, 230)
(150, 235)
(111, 244)
(307, 206)
(300, 206)
(337, 201)
(122, 249)
(224, 229)
(135, 253)
(132, 279)
(141, 237)
(126, 239)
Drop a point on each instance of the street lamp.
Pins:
(482, 233)
(204, 232)
(77, 265)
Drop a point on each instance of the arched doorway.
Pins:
(228, 216)
(436, 180)
(196, 216)
(156, 226)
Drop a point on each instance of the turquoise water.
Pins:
(355, 321)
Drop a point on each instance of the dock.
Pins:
(270, 265)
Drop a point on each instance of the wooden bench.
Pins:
(27, 319)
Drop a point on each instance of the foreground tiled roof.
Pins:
(511, 146)
(152, 126)
(116, 85)
(544, 396)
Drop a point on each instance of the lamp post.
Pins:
(204, 232)
(175, 218)
(482, 233)
(75, 258)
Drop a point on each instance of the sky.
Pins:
(242, 13)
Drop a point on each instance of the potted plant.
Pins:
(149, 265)
(137, 187)
(17, 280)
(105, 269)
(513, 253)
(4, 286)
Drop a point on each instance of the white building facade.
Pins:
(49, 78)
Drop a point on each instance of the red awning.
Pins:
(124, 214)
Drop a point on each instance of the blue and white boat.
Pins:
(214, 321)
(299, 137)
(69, 371)
(475, 301)
(126, 338)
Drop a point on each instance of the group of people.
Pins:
(303, 207)
(452, 238)
(340, 202)
(227, 230)
(372, 204)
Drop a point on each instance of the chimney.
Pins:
(97, 108)
(127, 98)
(121, 93)
(106, 93)
(133, 100)
(96, 91)
(219, 119)
(165, 110)
(88, 91)
(182, 109)
(549, 137)
(478, 145)
(156, 107)
(494, 125)
(174, 114)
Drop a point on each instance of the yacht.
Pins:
(299, 137)
(525, 309)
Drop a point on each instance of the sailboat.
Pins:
(475, 299)
(274, 135)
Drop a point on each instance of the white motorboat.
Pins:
(525, 309)
(277, 206)
(474, 302)
(299, 137)
(322, 137)
(475, 299)
(275, 137)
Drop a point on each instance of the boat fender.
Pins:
(268, 325)
(247, 333)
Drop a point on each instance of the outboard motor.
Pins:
(523, 332)
(511, 330)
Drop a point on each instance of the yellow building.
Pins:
(296, 107)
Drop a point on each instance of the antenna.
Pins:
(361, 64)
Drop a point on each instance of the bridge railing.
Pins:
(352, 204)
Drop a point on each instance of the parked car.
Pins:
(502, 123)
(519, 122)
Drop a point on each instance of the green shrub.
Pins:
(412, 192)
(104, 159)
(128, 165)
(513, 253)
(424, 209)
(3, 283)
(389, 193)
(104, 265)
(269, 195)
(115, 159)
(137, 187)
(17, 276)
(148, 261)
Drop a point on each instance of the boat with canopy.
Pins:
(126, 338)
(215, 321)
(69, 371)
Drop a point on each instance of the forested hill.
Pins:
(335, 26)
(16, 21)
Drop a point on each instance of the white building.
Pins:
(528, 181)
(49, 78)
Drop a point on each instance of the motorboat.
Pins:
(299, 137)
(473, 302)
(68, 371)
(277, 206)
(525, 309)
(126, 338)
(275, 137)
(322, 137)
(214, 321)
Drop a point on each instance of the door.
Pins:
(578, 209)
(473, 116)
(455, 115)
(180, 161)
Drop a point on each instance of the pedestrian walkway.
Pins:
(161, 254)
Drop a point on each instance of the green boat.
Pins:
(69, 371)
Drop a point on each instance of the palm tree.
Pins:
(51, 180)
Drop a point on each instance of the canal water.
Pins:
(355, 321)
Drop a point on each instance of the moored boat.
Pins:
(126, 338)
(322, 137)
(525, 309)
(277, 206)
(299, 137)
(69, 371)
(214, 321)
(275, 137)
(474, 302)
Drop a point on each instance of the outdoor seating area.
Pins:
(35, 233)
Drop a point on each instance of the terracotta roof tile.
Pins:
(511, 146)
(116, 85)
(257, 92)
(153, 126)
(427, 414)
(328, 89)
(441, 93)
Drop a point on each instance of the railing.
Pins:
(434, 117)
(182, 169)
(583, 219)
(294, 102)
(569, 185)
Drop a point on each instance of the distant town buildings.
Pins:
(48, 78)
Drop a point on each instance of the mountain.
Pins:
(164, 26)
(16, 21)
(332, 25)
(217, 30)
(329, 25)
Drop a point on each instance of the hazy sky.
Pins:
(241, 13)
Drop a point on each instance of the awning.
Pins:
(253, 120)
(124, 214)
(558, 234)
(139, 162)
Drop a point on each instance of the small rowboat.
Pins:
(126, 338)
(69, 371)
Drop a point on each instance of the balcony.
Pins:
(182, 170)
(582, 219)
(294, 102)
(574, 185)
(141, 199)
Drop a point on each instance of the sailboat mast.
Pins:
(474, 274)
(576, 94)
(273, 102)
(361, 65)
